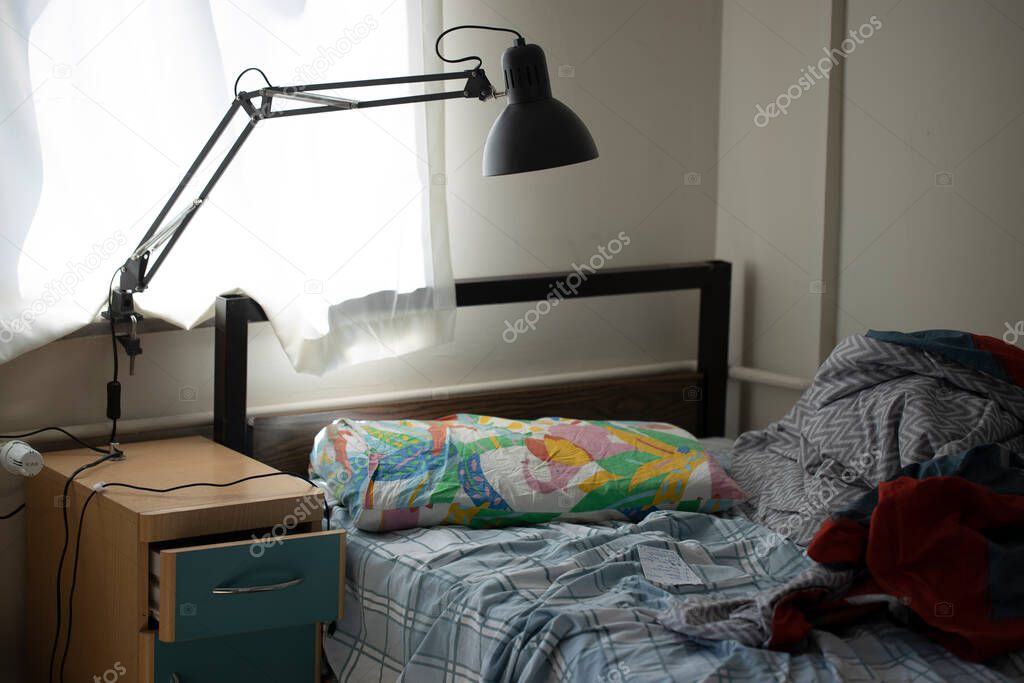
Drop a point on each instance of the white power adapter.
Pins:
(21, 459)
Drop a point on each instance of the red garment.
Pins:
(926, 545)
(1011, 357)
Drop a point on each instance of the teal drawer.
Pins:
(215, 590)
(286, 655)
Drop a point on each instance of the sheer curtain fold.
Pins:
(334, 222)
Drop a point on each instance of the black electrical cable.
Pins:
(54, 429)
(74, 582)
(13, 512)
(113, 428)
(479, 61)
(113, 387)
(113, 383)
(107, 455)
(179, 487)
(81, 524)
(148, 489)
(251, 68)
(64, 551)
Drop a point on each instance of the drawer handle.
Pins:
(237, 590)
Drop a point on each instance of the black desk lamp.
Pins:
(534, 132)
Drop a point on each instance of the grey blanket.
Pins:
(873, 408)
(747, 619)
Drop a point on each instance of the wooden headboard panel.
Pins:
(284, 441)
(693, 400)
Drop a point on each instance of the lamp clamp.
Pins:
(121, 308)
(130, 340)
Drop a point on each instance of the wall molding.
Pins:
(202, 421)
(829, 306)
(742, 373)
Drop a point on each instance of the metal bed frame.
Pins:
(711, 278)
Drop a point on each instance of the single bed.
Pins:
(563, 601)
(568, 602)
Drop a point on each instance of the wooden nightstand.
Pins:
(192, 585)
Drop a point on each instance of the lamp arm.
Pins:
(138, 270)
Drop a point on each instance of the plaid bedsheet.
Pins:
(569, 602)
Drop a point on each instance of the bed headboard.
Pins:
(694, 400)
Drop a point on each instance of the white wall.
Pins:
(771, 196)
(939, 89)
(645, 79)
(930, 229)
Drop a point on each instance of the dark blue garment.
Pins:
(955, 345)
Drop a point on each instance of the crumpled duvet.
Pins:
(942, 545)
(879, 402)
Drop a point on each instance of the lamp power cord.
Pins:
(479, 60)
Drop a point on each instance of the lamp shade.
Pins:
(535, 131)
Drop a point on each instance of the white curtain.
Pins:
(334, 222)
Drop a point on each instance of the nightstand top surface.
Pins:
(171, 462)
